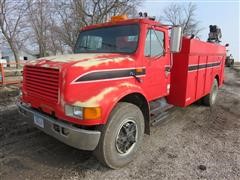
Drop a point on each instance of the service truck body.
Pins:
(194, 70)
(71, 96)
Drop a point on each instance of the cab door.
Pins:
(157, 60)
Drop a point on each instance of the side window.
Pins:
(154, 45)
(147, 49)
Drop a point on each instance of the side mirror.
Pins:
(226, 45)
(176, 39)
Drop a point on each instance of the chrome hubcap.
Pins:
(126, 137)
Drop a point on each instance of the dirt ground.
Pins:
(193, 143)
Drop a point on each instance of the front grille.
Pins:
(41, 82)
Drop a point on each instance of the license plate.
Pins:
(38, 120)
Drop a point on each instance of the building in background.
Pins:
(24, 55)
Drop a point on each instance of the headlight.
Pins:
(78, 111)
(74, 111)
(83, 112)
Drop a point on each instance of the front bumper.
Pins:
(66, 133)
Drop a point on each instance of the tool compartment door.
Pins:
(201, 76)
(192, 78)
(209, 74)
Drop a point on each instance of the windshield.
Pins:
(114, 39)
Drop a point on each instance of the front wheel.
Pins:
(210, 99)
(121, 136)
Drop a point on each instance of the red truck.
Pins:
(103, 97)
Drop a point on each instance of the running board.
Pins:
(159, 111)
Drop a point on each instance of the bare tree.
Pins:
(52, 27)
(184, 15)
(75, 14)
(38, 15)
(97, 11)
(67, 22)
(11, 23)
(54, 43)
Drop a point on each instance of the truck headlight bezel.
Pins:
(74, 111)
(79, 112)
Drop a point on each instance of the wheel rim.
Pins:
(214, 94)
(126, 137)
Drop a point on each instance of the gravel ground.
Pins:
(193, 143)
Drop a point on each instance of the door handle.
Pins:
(167, 69)
(137, 78)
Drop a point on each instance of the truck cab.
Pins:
(98, 98)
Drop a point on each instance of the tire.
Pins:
(210, 99)
(110, 151)
(232, 63)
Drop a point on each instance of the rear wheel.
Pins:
(232, 63)
(210, 99)
(121, 136)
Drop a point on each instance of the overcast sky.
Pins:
(225, 14)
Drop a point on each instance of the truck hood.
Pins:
(85, 61)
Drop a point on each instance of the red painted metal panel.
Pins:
(41, 82)
(194, 70)
(201, 77)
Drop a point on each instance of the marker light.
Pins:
(119, 18)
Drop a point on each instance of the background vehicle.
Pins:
(229, 61)
(123, 75)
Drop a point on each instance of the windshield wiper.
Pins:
(164, 50)
(85, 47)
(109, 44)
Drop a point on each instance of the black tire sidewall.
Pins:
(208, 99)
(214, 88)
(111, 156)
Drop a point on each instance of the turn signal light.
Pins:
(91, 113)
(139, 70)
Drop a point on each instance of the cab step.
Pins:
(159, 111)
